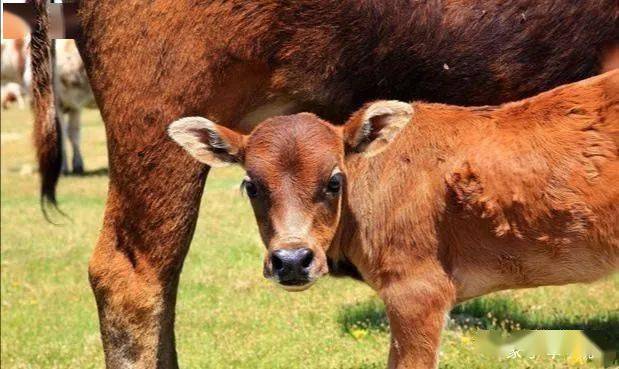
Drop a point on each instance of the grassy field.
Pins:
(228, 316)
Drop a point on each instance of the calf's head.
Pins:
(296, 177)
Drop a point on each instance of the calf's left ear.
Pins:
(208, 142)
(371, 129)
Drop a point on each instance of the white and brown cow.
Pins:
(434, 204)
(70, 86)
(13, 60)
(74, 94)
(13, 66)
(10, 93)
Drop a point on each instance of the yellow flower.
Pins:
(358, 333)
(575, 360)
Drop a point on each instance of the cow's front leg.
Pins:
(150, 215)
(416, 308)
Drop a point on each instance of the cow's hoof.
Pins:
(78, 171)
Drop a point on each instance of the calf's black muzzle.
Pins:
(291, 267)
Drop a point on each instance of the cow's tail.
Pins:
(47, 137)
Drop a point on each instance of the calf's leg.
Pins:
(416, 307)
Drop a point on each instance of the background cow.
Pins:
(15, 40)
(13, 60)
(74, 94)
(12, 93)
(238, 62)
(70, 85)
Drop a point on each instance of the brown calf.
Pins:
(464, 202)
(238, 62)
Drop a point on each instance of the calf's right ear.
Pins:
(209, 143)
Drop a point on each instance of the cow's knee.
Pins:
(134, 286)
(130, 302)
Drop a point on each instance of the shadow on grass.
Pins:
(501, 313)
(491, 313)
(369, 315)
(90, 173)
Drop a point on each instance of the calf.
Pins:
(433, 204)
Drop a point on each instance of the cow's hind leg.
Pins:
(64, 132)
(73, 133)
(150, 216)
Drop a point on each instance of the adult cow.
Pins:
(238, 62)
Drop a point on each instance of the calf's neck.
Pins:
(433, 204)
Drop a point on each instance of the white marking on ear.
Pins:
(201, 138)
(384, 120)
(388, 108)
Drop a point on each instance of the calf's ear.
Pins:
(371, 129)
(208, 142)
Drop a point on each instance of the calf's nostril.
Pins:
(277, 262)
(307, 258)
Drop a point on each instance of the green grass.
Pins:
(228, 316)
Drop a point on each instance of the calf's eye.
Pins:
(334, 185)
(251, 189)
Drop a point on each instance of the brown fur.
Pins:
(461, 202)
(150, 63)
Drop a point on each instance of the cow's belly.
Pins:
(610, 58)
(278, 106)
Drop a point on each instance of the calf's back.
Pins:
(514, 196)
